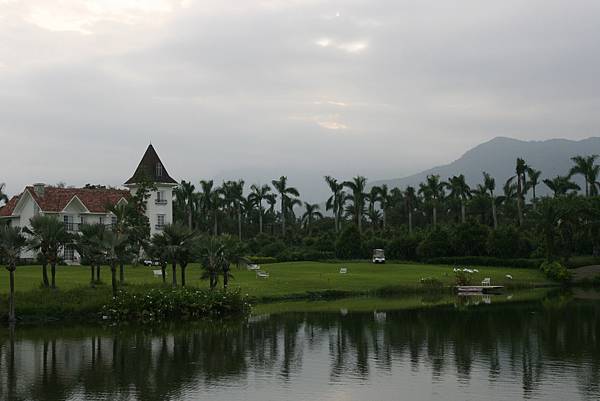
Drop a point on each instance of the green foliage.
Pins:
(556, 271)
(462, 277)
(349, 244)
(261, 260)
(174, 304)
(403, 248)
(470, 239)
(435, 244)
(507, 242)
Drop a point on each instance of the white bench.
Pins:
(262, 274)
(253, 266)
(486, 282)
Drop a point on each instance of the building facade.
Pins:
(89, 205)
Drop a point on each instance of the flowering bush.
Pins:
(463, 277)
(170, 304)
(556, 271)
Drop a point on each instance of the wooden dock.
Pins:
(478, 289)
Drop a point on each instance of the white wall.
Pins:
(153, 209)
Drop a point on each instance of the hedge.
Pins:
(485, 261)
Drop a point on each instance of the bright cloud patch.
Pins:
(332, 125)
(350, 47)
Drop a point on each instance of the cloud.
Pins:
(213, 85)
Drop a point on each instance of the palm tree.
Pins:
(257, 196)
(113, 247)
(373, 197)
(561, 185)
(358, 198)
(533, 176)
(461, 191)
(213, 262)
(284, 192)
(410, 199)
(272, 202)
(12, 242)
(177, 243)
(386, 199)
(3, 196)
(312, 213)
(433, 190)
(121, 213)
(489, 183)
(584, 165)
(157, 249)
(89, 246)
(335, 202)
(521, 170)
(237, 199)
(210, 198)
(39, 241)
(187, 190)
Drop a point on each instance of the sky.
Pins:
(257, 89)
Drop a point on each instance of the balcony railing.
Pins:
(76, 227)
(160, 201)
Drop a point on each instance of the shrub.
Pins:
(403, 248)
(556, 271)
(261, 260)
(174, 304)
(508, 242)
(435, 244)
(273, 248)
(470, 239)
(349, 244)
(462, 277)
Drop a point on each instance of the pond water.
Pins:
(546, 349)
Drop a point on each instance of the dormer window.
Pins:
(159, 169)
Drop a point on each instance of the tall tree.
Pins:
(521, 170)
(335, 202)
(122, 212)
(386, 200)
(257, 195)
(433, 191)
(12, 243)
(53, 235)
(358, 198)
(460, 191)
(374, 197)
(177, 246)
(284, 193)
(39, 239)
(312, 213)
(561, 185)
(187, 190)
(3, 196)
(490, 185)
(533, 181)
(584, 165)
(88, 244)
(210, 199)
(113, 243)
(410, 199)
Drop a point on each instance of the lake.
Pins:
(469, 349)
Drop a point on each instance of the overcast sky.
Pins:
(257, 89)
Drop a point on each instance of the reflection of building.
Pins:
(88, 205)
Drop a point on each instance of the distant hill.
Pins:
(498, 157)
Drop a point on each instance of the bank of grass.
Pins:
(74, 297)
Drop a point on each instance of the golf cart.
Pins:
(378, 256)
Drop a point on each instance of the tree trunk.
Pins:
(11, 295)
(519, 201)
(53, 273)
(282, 217)
(92, 274)
(494, 215)
(359, 222)
(113, 277)
(121, 273)
(183, 266)
(190, 217)
(174, 282)
(462, 211)
(98, 273)
(225, 279)
(534, 200)
(260, 220)
(163, 269)
(410, 223)
(45, 281)
(239, 213)
(337, 220)
(434, 217)
(216, 228)
(383, 211)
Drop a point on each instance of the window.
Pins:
(36, 209)
(159, 169)
(69, 253)
(160, 221)
(113, 220)
(160, 198)
(68, 220)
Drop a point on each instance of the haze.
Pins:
(259, 89)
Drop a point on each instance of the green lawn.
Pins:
(294, 278)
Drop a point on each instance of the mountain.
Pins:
(498, 157)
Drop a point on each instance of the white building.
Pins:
(76, 206)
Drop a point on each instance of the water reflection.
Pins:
(542, 350)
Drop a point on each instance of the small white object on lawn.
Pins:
(262, 274)
(343, 270)
(508, 276)
(158, 273)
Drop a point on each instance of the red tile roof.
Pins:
(56, 199)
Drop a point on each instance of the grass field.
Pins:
(289, 279)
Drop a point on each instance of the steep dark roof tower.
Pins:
(151, 169)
